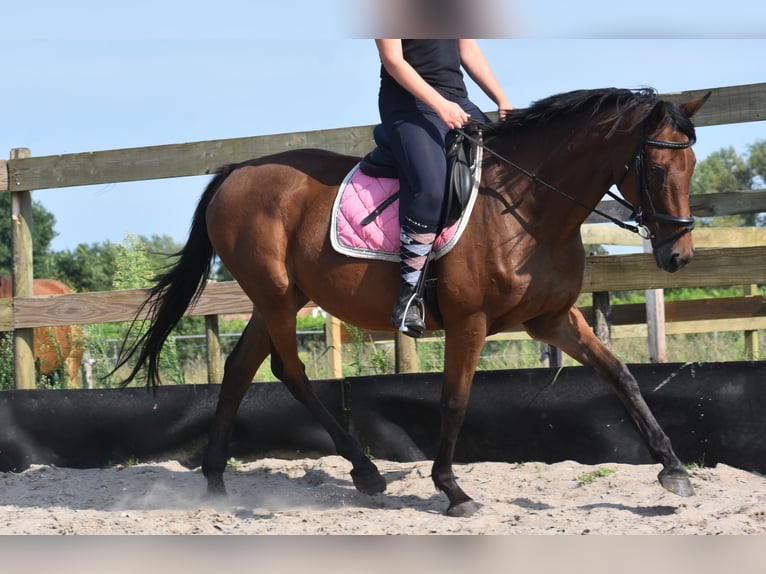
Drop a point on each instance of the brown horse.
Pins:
(520, 261)
(57, 350)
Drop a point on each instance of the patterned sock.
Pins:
(415, 247)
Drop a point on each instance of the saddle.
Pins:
(462, 154)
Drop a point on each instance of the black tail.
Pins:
(173, 292)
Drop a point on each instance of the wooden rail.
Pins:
(744, 264)
(727, 105)
(710, 268)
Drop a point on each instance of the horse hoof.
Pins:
(372, 483)
(216, 490)
(676, 482)
(463, 509)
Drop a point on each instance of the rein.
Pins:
(642, 185)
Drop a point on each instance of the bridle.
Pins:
(641, 214)
(644, 193)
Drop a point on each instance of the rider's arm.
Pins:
(475, 63)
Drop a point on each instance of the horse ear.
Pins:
(692, 107)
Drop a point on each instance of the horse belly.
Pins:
(356, 291)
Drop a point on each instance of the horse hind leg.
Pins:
(574, 336)
(73, 353)
(251, 350)
(290, 370)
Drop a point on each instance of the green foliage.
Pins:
(92, 267)
(722, 171)
(133, 270)
(6, 361)
(365, 355)
(591, 477)
(497, 355)
(102, 347)
(431, 354)
(238, 324)
(757, 160)
(43, 222)
(88, 267)
(725, 171)
(234, 462)
(310, 322)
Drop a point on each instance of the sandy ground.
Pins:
(316, 496)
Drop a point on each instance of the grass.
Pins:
(364, 357)
(696, 465)
(591, 477)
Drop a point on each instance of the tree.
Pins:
(134, 270)
(92, 267)
(757, 161)
(87, 267)
(43, 233)
(725, 171)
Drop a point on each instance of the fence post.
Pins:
(550, 356)
(751, 337)
(22, 273)
(655, 319)
(602, 317)
(333, 338)
(213, 342)
(406, 354)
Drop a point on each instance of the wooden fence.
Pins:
(727, 257)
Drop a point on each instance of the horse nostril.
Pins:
(676, 262)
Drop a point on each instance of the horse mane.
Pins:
(613, 104)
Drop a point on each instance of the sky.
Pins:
(84, 76)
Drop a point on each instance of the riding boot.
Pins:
(408, 314)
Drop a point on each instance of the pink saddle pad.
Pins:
(358, 196)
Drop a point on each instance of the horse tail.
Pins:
(172, 294)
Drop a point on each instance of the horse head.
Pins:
(663, 164)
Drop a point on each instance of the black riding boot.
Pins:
(408, 312)
(416, 243)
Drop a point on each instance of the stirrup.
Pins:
(408, 316)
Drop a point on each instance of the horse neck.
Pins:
(569, 161)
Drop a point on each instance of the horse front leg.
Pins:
(462, 350)
(574, 336)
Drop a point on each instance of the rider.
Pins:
(423, 96)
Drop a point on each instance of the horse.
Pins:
(520, 261)
(57, 350)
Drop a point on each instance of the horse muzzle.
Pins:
(675, 252)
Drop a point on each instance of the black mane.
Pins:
(615, 102)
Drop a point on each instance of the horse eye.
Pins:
(657, 172)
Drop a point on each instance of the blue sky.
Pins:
(85, 76)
